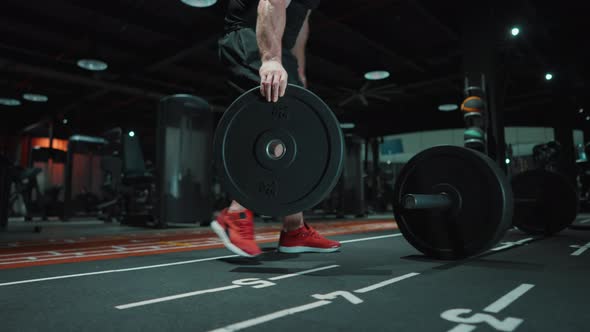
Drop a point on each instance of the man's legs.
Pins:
(235, 224)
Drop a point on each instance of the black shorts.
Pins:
(238, 52)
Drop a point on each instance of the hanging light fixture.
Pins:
(92, 64)
(199, 3)
(376, 75)
(37, 98)
(9, 102)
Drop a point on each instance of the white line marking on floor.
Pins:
(506, 245)
(110, 248)
(371, 238)
(581, 249)
(386, 282)
(313, 305)
(159, 265)
(135, 248)
(175, 297)
(463, 328)
(54, 253)
(272, 316)
(507, 299)
(204, 291)
(302, 272)
(95, 253)
(114, 271)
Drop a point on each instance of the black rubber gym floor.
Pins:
(378, 282)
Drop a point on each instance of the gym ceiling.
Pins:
(155, 48)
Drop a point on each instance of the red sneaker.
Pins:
(236, 230)
(305, 239)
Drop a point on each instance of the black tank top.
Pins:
(243, 13)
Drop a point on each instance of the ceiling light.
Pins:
(448, 107)
(588, 118)
(65, 121)
(9, 102)
(507, 161)
(35, 97)
(377, 75)
(131, 133)
(92, 64)
(581, 111)
(347, 125)
(199, 3)
(548, 76)
(515, 31)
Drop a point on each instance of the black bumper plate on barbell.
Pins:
(545, 203)
(479, 219)
(279, 184)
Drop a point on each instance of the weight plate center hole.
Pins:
(275, 149)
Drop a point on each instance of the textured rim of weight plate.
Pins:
(485, 161)
(574, 199)
(334, 166)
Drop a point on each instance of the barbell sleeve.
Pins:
(422, 202)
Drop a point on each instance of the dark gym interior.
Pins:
(444, 144)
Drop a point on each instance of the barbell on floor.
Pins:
(450, 202)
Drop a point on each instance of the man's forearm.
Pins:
(270, 26)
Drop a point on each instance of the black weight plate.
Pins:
(307, 171)
(544, 202)
(475, 224)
